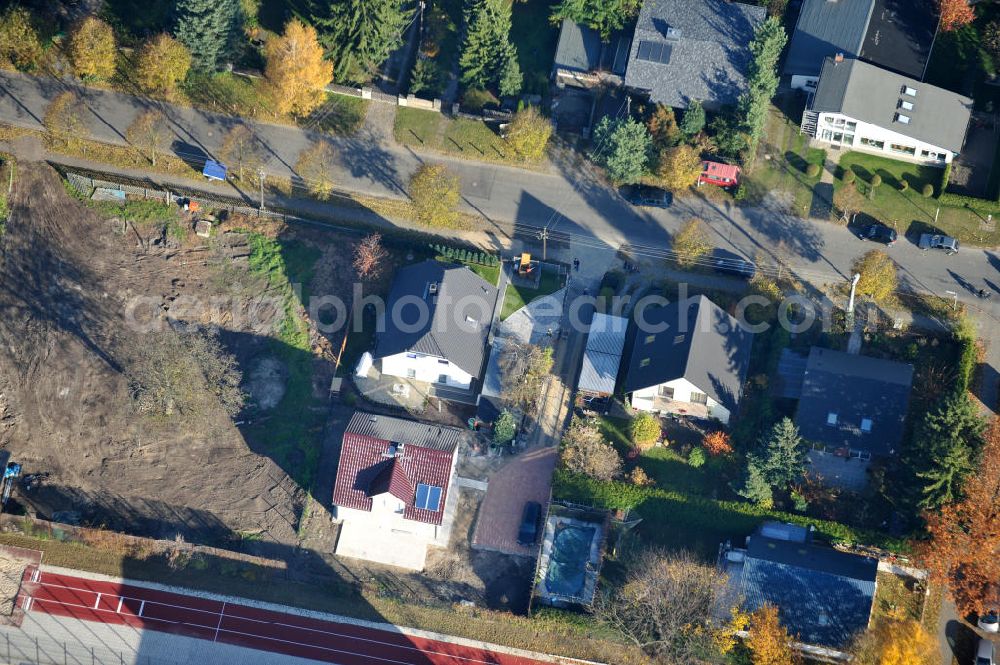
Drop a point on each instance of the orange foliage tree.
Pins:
(768, 641)
(965, 535)
(955, 14)
(717, 443)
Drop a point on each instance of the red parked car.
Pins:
(717, 173)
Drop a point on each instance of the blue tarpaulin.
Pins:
(214, 170)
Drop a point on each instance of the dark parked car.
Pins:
(946, 244)
(647, 197)
(528, 533)
(878, 232)
(729, 263)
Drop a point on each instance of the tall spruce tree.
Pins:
(781, 457)
(208, 29)
(488, 57)
(762, 81)
(359, 35)
(944, 451)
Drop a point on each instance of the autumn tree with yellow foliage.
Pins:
(679, 167)
(768, 641)
(296, 72)
(92, 49)
(893, 642)
(691, 243)
(878, 276)
(161, 64)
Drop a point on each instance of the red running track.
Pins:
(241, 625)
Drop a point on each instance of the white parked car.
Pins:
(989, 622)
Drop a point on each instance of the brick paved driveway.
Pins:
(527, 477)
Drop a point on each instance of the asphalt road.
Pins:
(570, 198)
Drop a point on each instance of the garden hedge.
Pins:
(667, 510)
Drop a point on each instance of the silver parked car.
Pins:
(985, 652)
(946, 244)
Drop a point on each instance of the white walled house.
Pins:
(859, 106)
(437, 325)
(689, 358)
(392, 491)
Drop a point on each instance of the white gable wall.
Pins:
(647, 399)
(428, 369)
(839, 129)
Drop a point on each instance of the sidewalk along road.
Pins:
(231, 623)
(571, 199)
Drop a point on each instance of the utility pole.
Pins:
(954, 303)
(850, 302)
(544, 236)
(260, 174)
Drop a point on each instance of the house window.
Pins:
(428, 497)
(699, 398)
(851, 126)
(848, 139)
(826, 135)
(866, 424)
(650, 338)
(831, 418)
(904, 149)
(442, 378)
(666, 392)
(644, 362)
(873, 143)
(411, 356)
(442, 361)
(910, 92)
(411, 373)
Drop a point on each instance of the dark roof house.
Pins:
(580, 49)
(439, 309)
(692, 49)
(823, 596)
(895, 34)
(700, 343)
(411, 461)
(603, 354)
(853, 401)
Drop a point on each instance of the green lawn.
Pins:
(783, 159)
(225, 92)
(462, 137)
(909, 210)
(535, 38)
(340, 115)
(291, 431)
(516, 297)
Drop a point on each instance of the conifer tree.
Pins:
(359, 35)
(488, 56)
(207, 28)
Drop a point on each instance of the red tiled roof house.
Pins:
(392, 493)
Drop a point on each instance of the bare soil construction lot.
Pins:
(68, 338)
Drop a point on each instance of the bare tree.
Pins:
(243, 147)
(147, 133)
(585, 450)
(173, 372)
(666, 605)
(523, 368)
(369, 257)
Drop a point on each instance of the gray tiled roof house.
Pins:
(873, 95)
(580, 49)
(603, 354)
(459, 307)
(825, 29)
(692, 49)
(823, 596)
(701, 343)
(868, 398)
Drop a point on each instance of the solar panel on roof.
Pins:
(428, 497)
(654, 52)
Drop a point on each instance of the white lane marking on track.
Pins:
(97, 601)
(222, 615)
(121, 599)
(463, 659)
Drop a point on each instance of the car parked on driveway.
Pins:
(989, 622)
(985, 652)
(528, 533)
(645, 196)
(878, 232)
(946, 244)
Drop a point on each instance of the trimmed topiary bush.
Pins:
(697, 457)
(812, 170)
(927, 190)
(849, 176)
(903, 185)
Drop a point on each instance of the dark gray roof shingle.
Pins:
(823, 596)
(709, 52)
(873, 95)
(701, 343)
(453, 323)
(824, 29)
(387, 428)
(579, 48)
(602, 357)
(854, 387)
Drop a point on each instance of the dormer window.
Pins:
(831, 418)
(866, 425)
(909, 92)
(903, 104)
(902, 119)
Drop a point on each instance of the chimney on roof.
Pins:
(839, 58)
